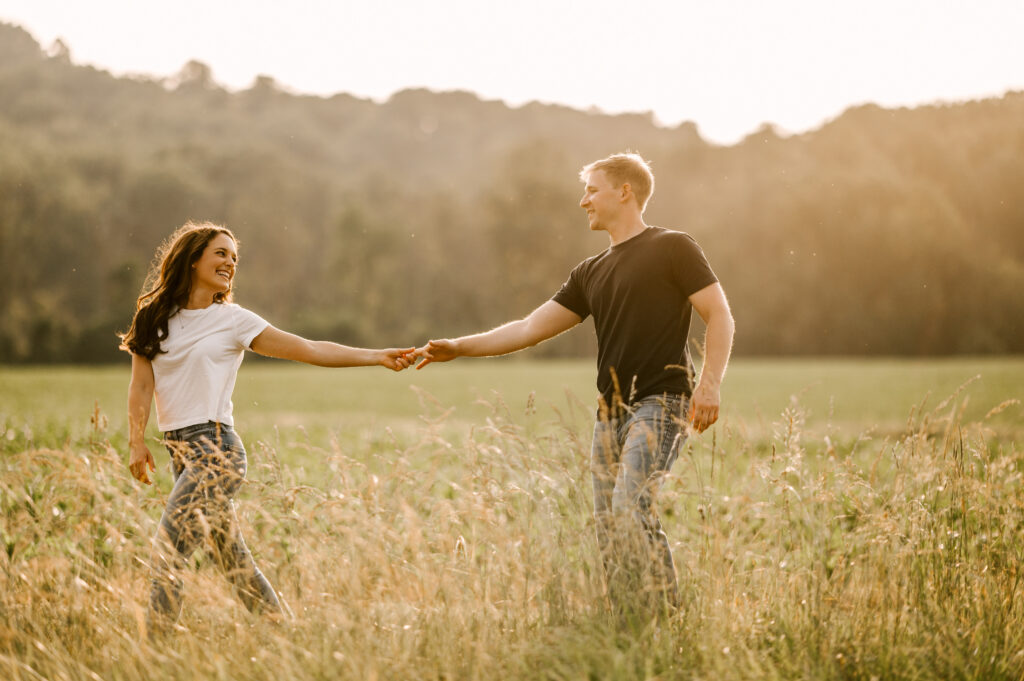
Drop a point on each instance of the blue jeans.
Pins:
(209, 464)
(631, 452)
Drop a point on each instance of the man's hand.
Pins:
(443, 350)
(704, 406)
(397, 359)
(140, 459)
(713, 308)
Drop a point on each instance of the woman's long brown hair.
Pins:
(167, 286)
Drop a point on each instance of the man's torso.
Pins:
(638, 292)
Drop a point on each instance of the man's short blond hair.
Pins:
(626, 168)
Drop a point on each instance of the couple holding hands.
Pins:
(187, 340)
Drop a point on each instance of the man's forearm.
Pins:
(547, 321)
(500, 341)
(717, 348)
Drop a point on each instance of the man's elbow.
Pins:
(728, 319)
(720, 317)
(534, 334)
(728, 322)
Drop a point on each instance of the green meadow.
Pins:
(851, 396)
(845, 519)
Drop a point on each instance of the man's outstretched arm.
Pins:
(713, 308)
(547, 321)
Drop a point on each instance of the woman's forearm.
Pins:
(140, 398)
(139, 401)
(273, 342)
(328, 354)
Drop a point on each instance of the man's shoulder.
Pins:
(674, 243)
(663, 234)
(588, 263)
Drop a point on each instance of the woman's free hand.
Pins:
(139, 460)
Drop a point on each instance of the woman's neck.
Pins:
(199, 299)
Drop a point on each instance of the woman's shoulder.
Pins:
(234, 309)
(243, 315)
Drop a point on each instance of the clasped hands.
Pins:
(398, 359)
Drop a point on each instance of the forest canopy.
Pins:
(883, 232)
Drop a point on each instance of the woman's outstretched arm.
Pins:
(273, 342)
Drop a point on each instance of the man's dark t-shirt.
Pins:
(638, 292)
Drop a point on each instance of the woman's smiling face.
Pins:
(215, 269)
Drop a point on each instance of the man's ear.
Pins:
(626, 193)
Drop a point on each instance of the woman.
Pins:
(187, 340)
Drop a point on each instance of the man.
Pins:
(640, 291)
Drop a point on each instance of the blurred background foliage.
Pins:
(884, 232)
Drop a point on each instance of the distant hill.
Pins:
(882, 232)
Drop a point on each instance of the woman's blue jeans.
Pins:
(209, 464)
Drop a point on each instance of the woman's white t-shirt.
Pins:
(195, 375)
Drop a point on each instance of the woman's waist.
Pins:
(211, 429)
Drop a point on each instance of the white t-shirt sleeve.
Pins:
(247, 325)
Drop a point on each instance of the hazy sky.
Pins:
(726, 65)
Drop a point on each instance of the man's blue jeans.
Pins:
(630, 455)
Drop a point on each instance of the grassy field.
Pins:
(850, 396)
(846, 519)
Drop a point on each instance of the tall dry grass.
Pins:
(470, 554)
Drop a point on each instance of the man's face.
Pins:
(601, 199)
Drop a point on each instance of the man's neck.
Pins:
(625, 230)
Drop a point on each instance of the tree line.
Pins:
(883, 232)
